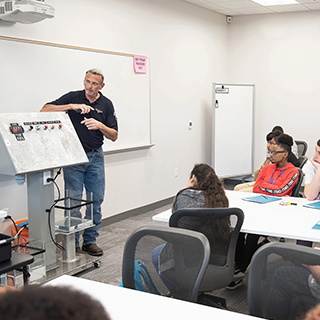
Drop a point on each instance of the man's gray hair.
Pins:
(96, 71)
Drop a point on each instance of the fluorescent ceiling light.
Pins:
(275, 2)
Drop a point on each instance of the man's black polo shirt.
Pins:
(104, 112)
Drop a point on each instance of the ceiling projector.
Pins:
(25, 11)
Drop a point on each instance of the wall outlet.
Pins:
(3, 214)
(176, 172)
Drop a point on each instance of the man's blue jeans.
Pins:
(92, 177)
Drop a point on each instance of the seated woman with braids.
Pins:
(204, 190)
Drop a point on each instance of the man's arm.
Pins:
(93, 124)
(311, 190)
(82, 108)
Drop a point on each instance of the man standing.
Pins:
(93, 117)
(312, 175)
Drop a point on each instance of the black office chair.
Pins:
(302, 147)
(220, 270)
(296, 189)
(265, 277)
(175, 261)
(302, 161)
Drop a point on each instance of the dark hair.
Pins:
(285, 142)
(211, 186)
(215, 197)
(273, 134)
(318, 143)
(50, 303)
(277, 128)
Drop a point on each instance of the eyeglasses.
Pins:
(276, 152)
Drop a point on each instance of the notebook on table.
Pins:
(262, 199)
(313, 205)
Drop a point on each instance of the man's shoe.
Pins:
(78, 250)
(234, 284)
(92, 249)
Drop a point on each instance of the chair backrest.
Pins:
(176, 260)
(302, 161)
(296, 188)
(222, 240)
(302, 147)
(268, 266)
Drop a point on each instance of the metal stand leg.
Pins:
(26, 275)
(69, 255)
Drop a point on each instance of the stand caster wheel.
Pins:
(97, 264)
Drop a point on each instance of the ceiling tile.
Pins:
(196, 1)
(308, 1)
(219, 9)
(244, 7)
(312, 6)
(261, 10)
(288, 8)
(238, 4)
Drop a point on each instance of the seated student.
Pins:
(204, 190)
(271, 141)
(312, 175)
(276, 179)
(294, 148)
(280, 177)
(299, 283)
(248, 187)
(49, 303)
(293, 155)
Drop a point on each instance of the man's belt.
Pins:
(90, 150)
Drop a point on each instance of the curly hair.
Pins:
(215, 197)
(211, 186)
(50, 303)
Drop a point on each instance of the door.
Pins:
(233, 113)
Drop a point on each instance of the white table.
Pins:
(271, 219)
(122, 303)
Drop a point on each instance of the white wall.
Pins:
(279, 54)
(187, 46)
(189, 49)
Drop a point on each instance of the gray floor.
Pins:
(112, 239)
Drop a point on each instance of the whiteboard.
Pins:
(233, 130)
(34, 73)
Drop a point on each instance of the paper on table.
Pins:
(262, 199)
(313, 205)
(316, 226)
